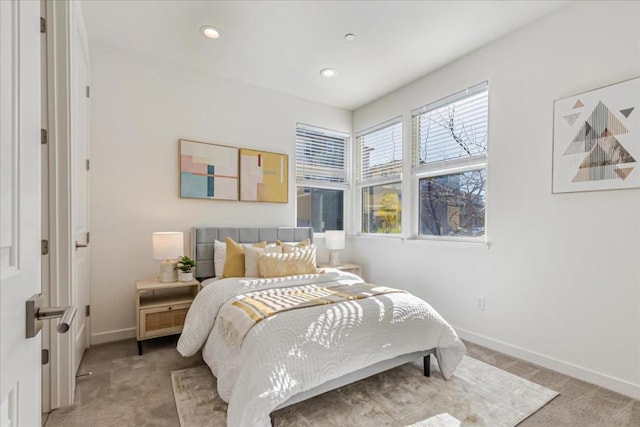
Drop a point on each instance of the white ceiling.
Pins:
(283, 45)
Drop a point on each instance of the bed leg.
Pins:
(427, 365)
(273, 419)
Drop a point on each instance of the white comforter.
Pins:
(297, 350)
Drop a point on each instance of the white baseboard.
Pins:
(109, 336)
(615, 384)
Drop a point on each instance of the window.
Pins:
(322, 175)
(449, 163)
(380, 177)
(320, 208)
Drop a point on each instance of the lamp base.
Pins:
(334, 258)
(167, 272)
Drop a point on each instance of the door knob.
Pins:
(36, 314)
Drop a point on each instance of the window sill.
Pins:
(449, 241)
(380, 236)
(455, 240)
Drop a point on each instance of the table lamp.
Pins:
(334, 240)
(168, 246)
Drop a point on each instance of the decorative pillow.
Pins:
(280, 265)
(234, 263)
(251, 258)
(288, 247)
(219, 257)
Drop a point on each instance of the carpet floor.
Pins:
(478, 394)
(128, 390)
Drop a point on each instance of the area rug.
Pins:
(440, 420)
(477, 395)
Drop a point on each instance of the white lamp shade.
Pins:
(167, 244)
(334, 239)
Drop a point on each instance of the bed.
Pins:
(295, 355)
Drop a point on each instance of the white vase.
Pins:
(185, 277)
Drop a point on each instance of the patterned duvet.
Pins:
(297, 350)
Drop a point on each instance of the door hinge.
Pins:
(43, 25)
(88, 91)
(87, 310)
(44, 247)
(88, 236)
(44, 136)
(45, 356)
(88, 164)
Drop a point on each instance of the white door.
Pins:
(44, 160)
(80, 179)
(20, 385)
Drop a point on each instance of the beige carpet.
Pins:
(478, 395)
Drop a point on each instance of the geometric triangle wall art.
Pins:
(627, 112)
(571, 118)
(596, 139)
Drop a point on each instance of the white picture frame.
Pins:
(596, 139)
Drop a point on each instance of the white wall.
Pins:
(562, 276)
(140, 108)
(562, 289)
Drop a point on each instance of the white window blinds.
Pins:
(321, 156)
(380, 153)
(452, 129)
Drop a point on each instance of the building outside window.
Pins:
(449, 163)
(322, 175)
(380, 177)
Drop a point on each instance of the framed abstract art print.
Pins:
(596, 139)
(208, 171)
(264, 176)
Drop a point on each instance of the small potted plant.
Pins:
(185, 267)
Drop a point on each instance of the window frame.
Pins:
(447, 167)
(361, 184)
(314, 184)
(416, 211)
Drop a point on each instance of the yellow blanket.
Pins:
(273, 301)
(238, 316)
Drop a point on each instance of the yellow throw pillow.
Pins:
(280, 265)
(234, 264)
(288, 249)
(251, 258)
(293, 247)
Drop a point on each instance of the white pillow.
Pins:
(219, 256)
(251, 258)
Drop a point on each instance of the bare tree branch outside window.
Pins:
(453, 204)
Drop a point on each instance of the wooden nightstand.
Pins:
(351, 268)
(162, 307)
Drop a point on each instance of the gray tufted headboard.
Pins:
(203, 238)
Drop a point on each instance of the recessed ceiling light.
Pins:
(210, 31)
(328, 72)
(349, 37)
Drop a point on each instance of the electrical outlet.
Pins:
(480, 303)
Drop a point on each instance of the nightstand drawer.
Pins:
(159, 321)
